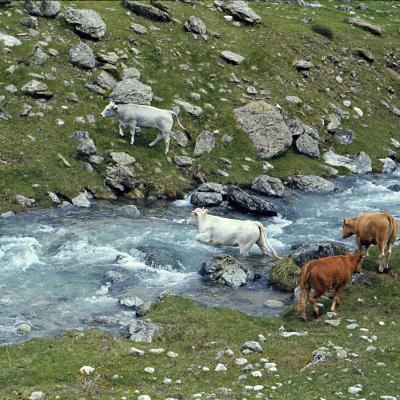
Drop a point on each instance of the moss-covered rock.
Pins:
(284, 274)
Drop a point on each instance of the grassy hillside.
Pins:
(269, 51)
(198, 334)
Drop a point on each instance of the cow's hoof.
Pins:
(316, 315)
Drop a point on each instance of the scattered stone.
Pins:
(32, 8)
(360, 164)
(144, 331)
(29, 22)
(251, 90)
(25, 201)
(183, 161)
(23, 328)
(105, 80)
(195, 25)
(241, 11)
(8, 40)
(344, 136)
(54, 198)
(36, 395)
(305, 144)
(82, 56)
(206, 199)
(333, 322)
(130, 91)
(310, 183)
(231, 57)
(81, 201)
(334, 123)
(253, 346)
(50, 8)
(220, 368)
(358, 111)
(4, 115)
(268, 185)
(86, 148)
(130, 73)
(265, 126)
(364, 54)
(7, 214)
(86, 22)
(138, 29)
(205, 142)
(274, 303)
(122, 158)
(130, 210)
(39, 57)
(366, 25)
(246, 202)
(388, 165)
(120, 178)
(294, 100)
(196, 111)
(172, 354)
(36, 89)
(303, 65)
(355, 389)
(224, 269)
(149, 370)
(148, 11)
(86, 370)
(241, 361)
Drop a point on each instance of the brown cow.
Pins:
(325, 274)
(379, 229)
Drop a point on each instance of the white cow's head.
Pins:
(196, 214)
(109, 111)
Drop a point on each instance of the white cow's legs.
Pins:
(156, 140)
(132, 128)
(121, 132)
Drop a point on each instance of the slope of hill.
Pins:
(180, 65)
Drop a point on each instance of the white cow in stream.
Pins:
(138, 115)
(218, 231)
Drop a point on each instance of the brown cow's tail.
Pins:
(393, 226)
(302, 302)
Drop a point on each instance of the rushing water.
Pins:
(53, 262)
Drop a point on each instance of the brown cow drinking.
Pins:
(325, 274)
(369, 228)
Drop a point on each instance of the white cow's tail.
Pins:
(264, 241)
(179, 122)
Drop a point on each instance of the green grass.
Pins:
(269, 51)
(197, 334)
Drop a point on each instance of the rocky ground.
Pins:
(220, 353)
(270, 89)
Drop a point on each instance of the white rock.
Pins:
(220, 368)
(149, 370)
(8, 40)
(136, 352)
(347, 103)
(36, 396)
(86, 370)
(167, 381)
(355, 389)
(171, 354)
(157, 351)
(241, 361)
(352, 326)
(262, 338)
(228, 17)
(144, 397)
(273, 303)
(381, 323)
(371, 348)
(388, 398)
(339, 79)
(258, 388)
(290, 334)
(256, 374)
(359, 112)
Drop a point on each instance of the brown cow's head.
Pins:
(348, 228)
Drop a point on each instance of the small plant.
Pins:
(323, 31)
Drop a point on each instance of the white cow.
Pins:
(133, 115)
(218, 231)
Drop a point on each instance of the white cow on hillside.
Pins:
(218, 231)
(134, 115)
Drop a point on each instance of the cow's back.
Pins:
(371, 228)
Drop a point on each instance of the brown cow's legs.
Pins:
(313, 301)
(337, 298)
(381, 247)
(388, 254)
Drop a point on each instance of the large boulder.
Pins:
(206, 199)
(360, 164)
(366, 25)
(245, 202)
(86, 22)
(268, 185)
(310, 183)
(241, 11)
(285, 274)
(301, 253)
(195, 25)
(82, 56)
(159, 257)
(205, 142)
(120, 178)
(50, 8)
(388, 165)
(132, 91)
(225, 270)
(305, 144)
(266, 128)
(148, 11)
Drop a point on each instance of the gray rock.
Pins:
(183, 161)
(388, 165)
(143, 309)
(39, 57)
(211, 187)
(114, 277)
(303, 64)
(105, 80)
(265, 126)
(310, 183)
(394, 188)
(82, 56)
(205, 143)
(245, 202)
(180, 138)
(50, 8)
(4, 115)
(131, 302)
(79, 136)
(130, 210)
(366, 25)
(274, 303)
(360, 164)
(86, 148)
(232, 57)
(144, 331)
(302, 254)
(224, 269)
(25, 201)
(334, 123)
(29, 22)
(132, 91)
(344, 136)
(196, 111)
(8, 40)
(33, 8)
(294, 100)
(9, 214)
(120, 178)
(139, 29)
(23, 328)
(33, 87)
(81, 201)
(268, 185)
(148, 11)
(86, 22)
(253, 346)
(122, 158)
(206, 199)
(130, 73)
(241, 11)
(305, 144)
(54, 198)
(195, 25)
(159, 257)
